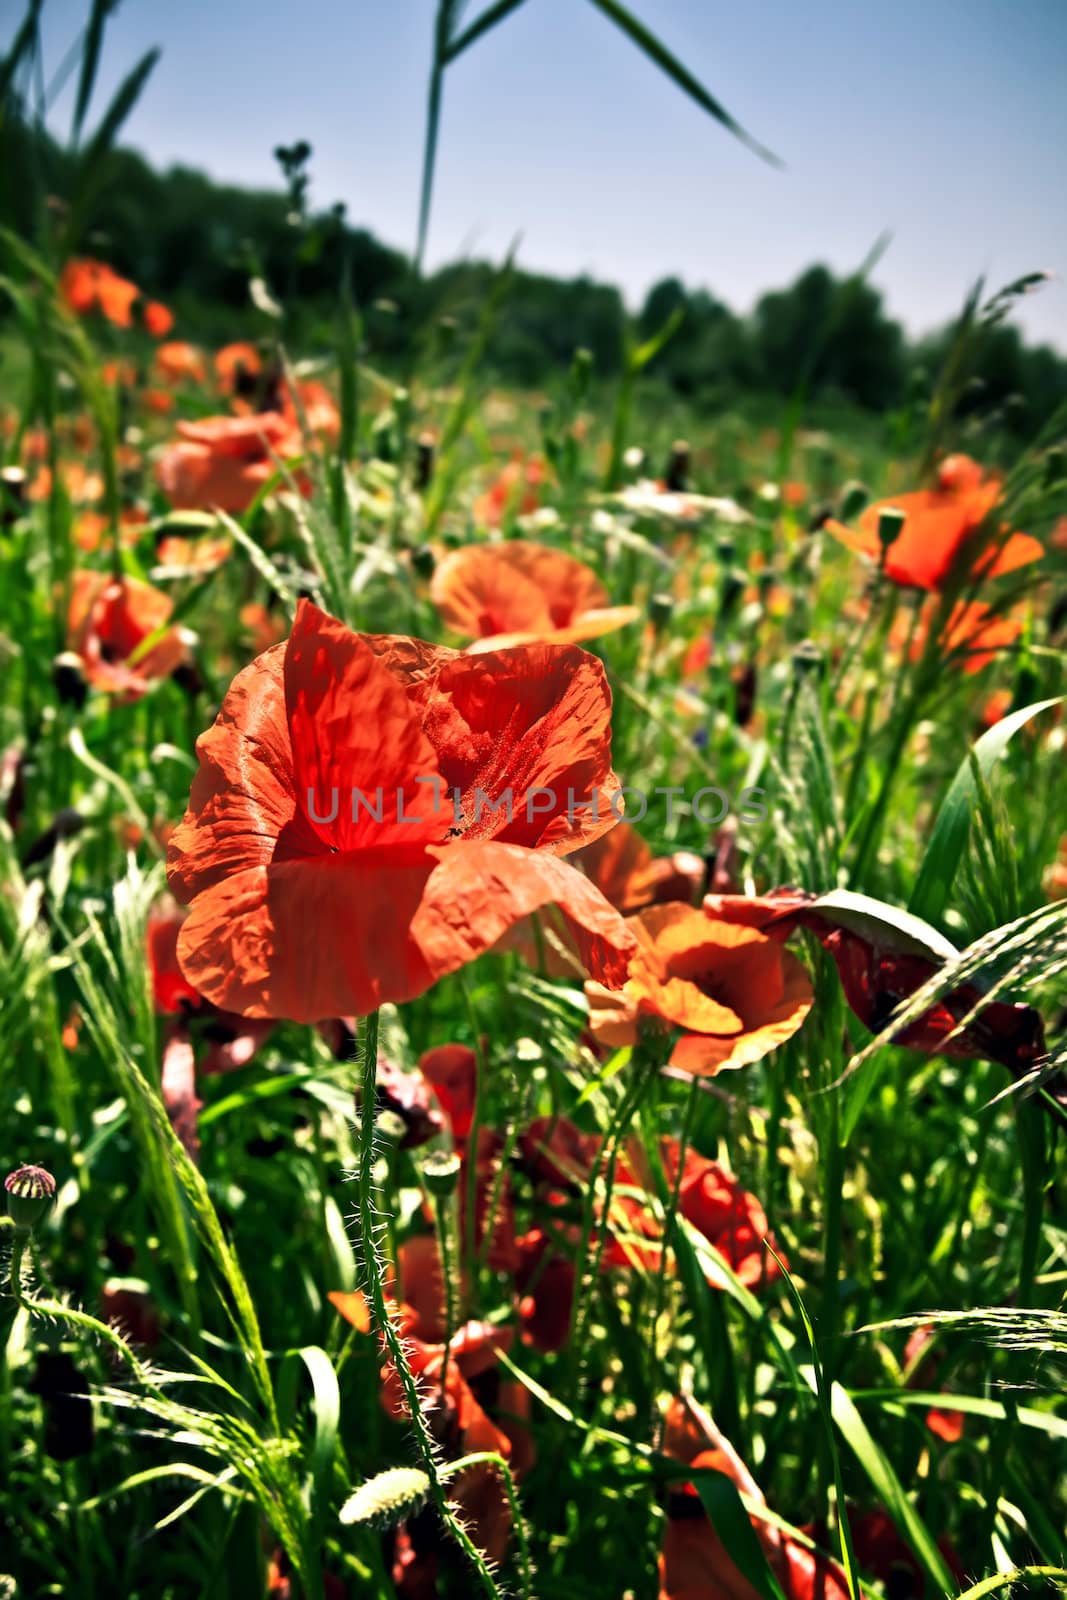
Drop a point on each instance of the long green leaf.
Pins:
(656, 51)
(94, 38)
(488, 19)
(890, 1491)
(727, 1515)
(948, 840)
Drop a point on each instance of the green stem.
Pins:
(369, 1212)
(490, 1458)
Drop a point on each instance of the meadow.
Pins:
(533, 932)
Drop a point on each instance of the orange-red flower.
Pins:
(108, 624)
(224, 462)
(88, 286)
(509, 593)
(694, 1562)
(941, 525)
(517, 486)
(306, 908)
(879, 971)
(178, 361)
(158, 319)
(735, 993)
(235, 360)
(974, 634)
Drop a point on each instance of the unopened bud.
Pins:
(440, 1172)
(423, 561)
(30, 1192)
(390, 1125)
(387, 1498)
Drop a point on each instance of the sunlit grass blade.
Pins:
(948, 838)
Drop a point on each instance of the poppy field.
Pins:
(533, 952)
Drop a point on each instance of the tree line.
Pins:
(198, 244)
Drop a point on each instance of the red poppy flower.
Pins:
(233, 360)
(158, 319)
(89, 286)
(879, 971)
(517, 486)
(177, 361)
(452, 1069)
(224, 462)
(736, 994)
(510, 593)
(940, 526)
(108, 623)
(694, 1562)
(412, 875)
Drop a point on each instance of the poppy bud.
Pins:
(12, 494)
(390, 1125)
(423, 561)
(440, 1172)
(390, 1497)
(890, 525)
(424, 452)
(808, 660)
(68, 675)
(30, 1192)
(854, 497)
(660, 610)
(677, 475)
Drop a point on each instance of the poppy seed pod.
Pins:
(30, 1192)
(440, 1172)
(808, 660)
(677, 475)
(68, 675)
(890, 526)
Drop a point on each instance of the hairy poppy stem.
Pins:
(369, 1212)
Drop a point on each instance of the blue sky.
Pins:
(944, 121)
